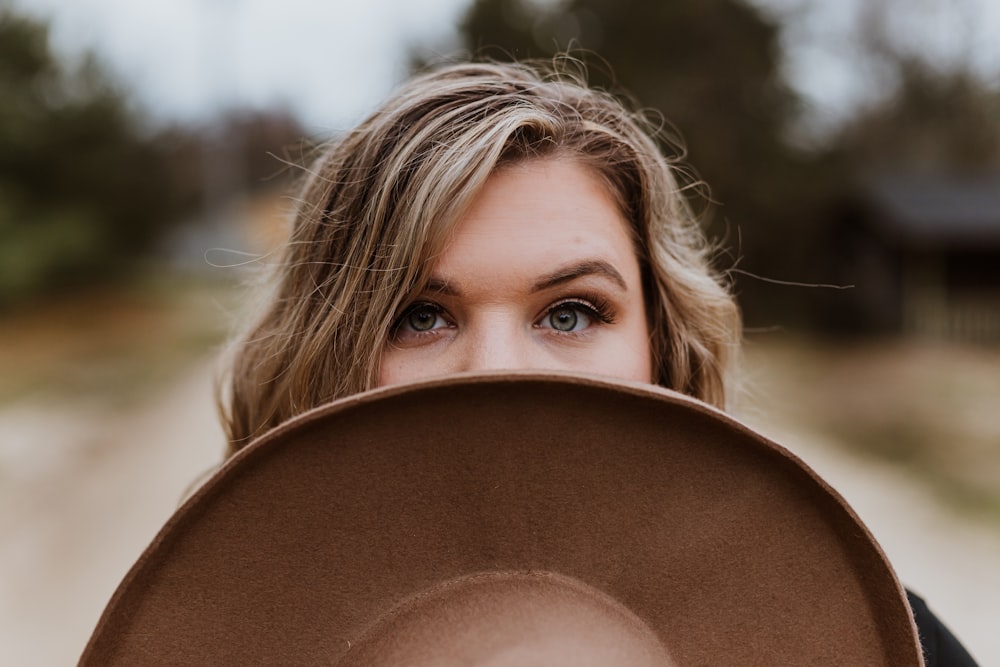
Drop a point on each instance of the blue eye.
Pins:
(565, 317)
(575, 315)
(571, 317)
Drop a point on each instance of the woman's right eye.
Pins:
(420, 318)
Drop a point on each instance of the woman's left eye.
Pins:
(570, 317)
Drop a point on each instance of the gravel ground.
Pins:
(84, 488)
(940, 403)
(953, 562)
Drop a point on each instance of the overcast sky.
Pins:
(330, 61)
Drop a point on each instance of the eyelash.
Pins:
(597, 307)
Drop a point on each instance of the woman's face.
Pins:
(539, 274)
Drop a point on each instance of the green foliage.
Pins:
(936, 120)
(83, 189)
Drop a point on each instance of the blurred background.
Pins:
(852, 156)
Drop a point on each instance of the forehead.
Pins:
(550, 209)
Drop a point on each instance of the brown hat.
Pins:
(721, 543)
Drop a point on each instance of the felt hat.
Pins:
(723, 544)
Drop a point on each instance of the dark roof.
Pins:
(937, 208)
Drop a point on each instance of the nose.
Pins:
(498, 348)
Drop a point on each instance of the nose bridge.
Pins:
(497, 342)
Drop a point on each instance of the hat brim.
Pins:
(726, 544)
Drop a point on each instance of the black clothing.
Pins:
(941, 649)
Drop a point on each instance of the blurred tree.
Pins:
(938, 116)
(243, 150)
(86, 188)
(82, 188)
(261, 142)
(935, 121)
(712, 69)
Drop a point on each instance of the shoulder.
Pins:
(941, 648)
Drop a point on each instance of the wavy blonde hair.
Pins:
(378, 206)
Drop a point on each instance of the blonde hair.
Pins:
(380, 202)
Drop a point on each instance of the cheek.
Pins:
(394, 369)
(626, 354)
(638, 357)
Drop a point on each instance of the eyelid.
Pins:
(420, 303)
(598, 307)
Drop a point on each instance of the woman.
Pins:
(491, 217)
(387, 200)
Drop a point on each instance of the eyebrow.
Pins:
(561, 276)
(590, 267)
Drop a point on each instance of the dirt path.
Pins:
(83, 492)
(949, 560)
(940, 396)
(84, 489)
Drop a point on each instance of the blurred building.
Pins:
(923, 252)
